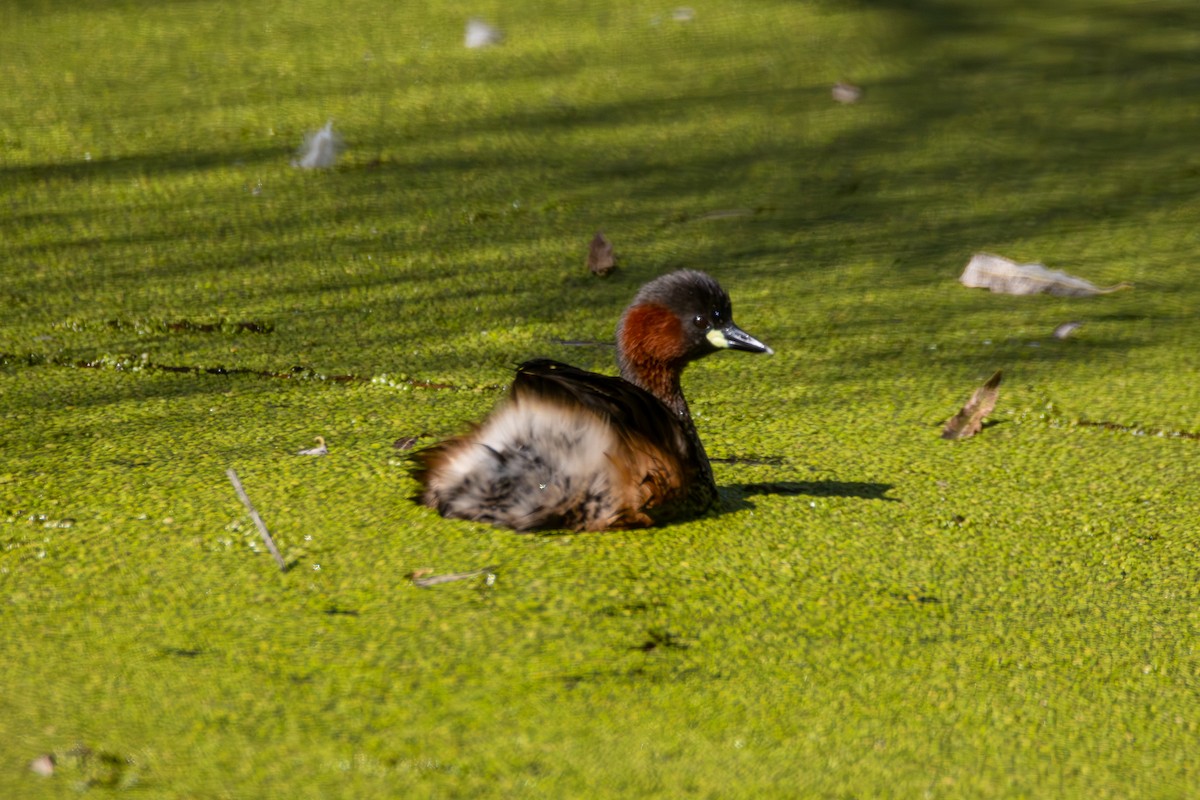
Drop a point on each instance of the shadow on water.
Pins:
(958, 62)
(855, 489)
(736, 497)
(146, 164)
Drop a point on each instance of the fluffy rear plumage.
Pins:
(570, 449)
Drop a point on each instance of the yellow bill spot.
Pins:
(716, 338)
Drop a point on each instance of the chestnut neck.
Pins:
(651, 354)
(660, 379)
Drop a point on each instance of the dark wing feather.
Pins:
(632, 410)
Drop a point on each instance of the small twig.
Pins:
(726, 213)
(262, 526)
(434, 580)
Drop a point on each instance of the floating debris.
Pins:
(319, 450)
(262, 526)
(1066, 329)
(1138, 430)
(320, 149)
(658, 638)
(1002, 275)
(683, 14)
(43, 765)
(846, 93)
(601, 260)
(434, 580)
(727, 213)
(480, 34)
(969, 421)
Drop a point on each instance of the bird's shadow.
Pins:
(865, 491)
(735, 497)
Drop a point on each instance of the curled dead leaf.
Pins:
(600, 259)
(969, 421)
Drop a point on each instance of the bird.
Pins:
(319, 450)
(577, 450)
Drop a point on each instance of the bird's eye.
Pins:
(699, 321)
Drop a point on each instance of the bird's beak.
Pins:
(731, 337)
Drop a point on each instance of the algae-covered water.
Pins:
(873, 612)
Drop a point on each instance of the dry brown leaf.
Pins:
(969, 421)
(600, 259)
(1005, 276)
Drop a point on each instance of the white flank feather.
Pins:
(320, 150)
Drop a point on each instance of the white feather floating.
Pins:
(319, 450)
(320, 150)
(1066, 329)
(480, 34)
(1002, 275)
(846, 93)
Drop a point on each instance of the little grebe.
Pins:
(575, 449)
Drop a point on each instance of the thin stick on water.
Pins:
(434, 580)
(262, 526)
